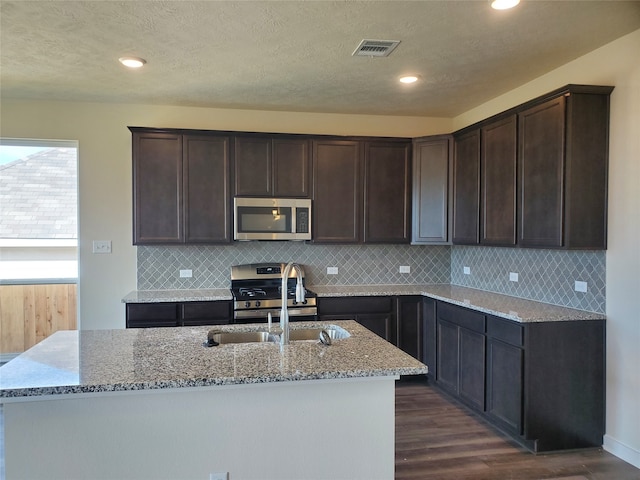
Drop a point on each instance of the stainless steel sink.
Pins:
(335, 333)
(222, 338)
(215, 338)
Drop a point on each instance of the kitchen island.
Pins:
(156, 403)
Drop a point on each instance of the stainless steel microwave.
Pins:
(271, 218)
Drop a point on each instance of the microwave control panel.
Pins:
(302, 220)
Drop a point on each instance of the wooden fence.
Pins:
(30, 313)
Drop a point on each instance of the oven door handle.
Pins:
(275, 312)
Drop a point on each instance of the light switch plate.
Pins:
(332, 270)
(102, 246)
(405, 269)
(466, 270)
(513, 276)
(186, 273)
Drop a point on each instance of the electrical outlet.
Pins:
(219, 476)
(405, 269)
(332, 270)
(580, 286)
(466, 270)
(102, 246)
(186, 273)
(513, 276)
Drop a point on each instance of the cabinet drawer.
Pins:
(461, 316)
(152, 311)
(346, 305)
(506, 330)
(206, 310)
(152, 315)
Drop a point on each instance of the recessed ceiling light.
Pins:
(408, 79)
(132, 62)
(504, 4)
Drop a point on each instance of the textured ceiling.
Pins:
(295, 55)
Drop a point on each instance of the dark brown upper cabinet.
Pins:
(207, 198)
(181, 188)
(387, 192)
(157, 188)
(498, 182)
(361, 191)
(431, 190)
(337, 191)
(272, 167)
(466, 188)
(563, 164)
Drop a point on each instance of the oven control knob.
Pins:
(257, 303)
(247, 304)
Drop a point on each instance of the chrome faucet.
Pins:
(284, 313)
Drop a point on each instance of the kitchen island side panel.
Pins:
(309, 429)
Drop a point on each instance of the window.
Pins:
(38, 210)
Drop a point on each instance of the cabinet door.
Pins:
(504, 384)
(253, 167)
(157, 188)
(206, 313)
(498, 185)
(448, 356)
(466, 188)
(387, 177)
(379, 323)
(541, 168)
(430, 336)
(431, 163)
(410, 329)
(207, 212)
(472, 369)
(291, 168)
(337, 192)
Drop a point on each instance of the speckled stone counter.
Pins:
(156, 296)
(513, 308)
(71, 362)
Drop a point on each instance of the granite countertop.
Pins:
(72, 362)
(513, 308)
(196, 295)
(505, 306)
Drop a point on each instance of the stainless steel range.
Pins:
(256, 290)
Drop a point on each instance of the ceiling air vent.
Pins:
(375, 48)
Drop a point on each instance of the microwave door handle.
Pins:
(294, 217)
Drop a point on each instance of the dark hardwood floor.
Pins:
(437, 438)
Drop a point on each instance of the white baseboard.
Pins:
(622, 451)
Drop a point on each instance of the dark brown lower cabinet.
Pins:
(142, 315)
(178, 314)
(430, 336)
(472, 367)
(504, 385)
(410, 331)
(540, 382)
(373, 313)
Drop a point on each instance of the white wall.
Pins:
(616, 64)
(104, 172)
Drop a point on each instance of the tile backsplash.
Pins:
(543, 275)
(159, 267)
